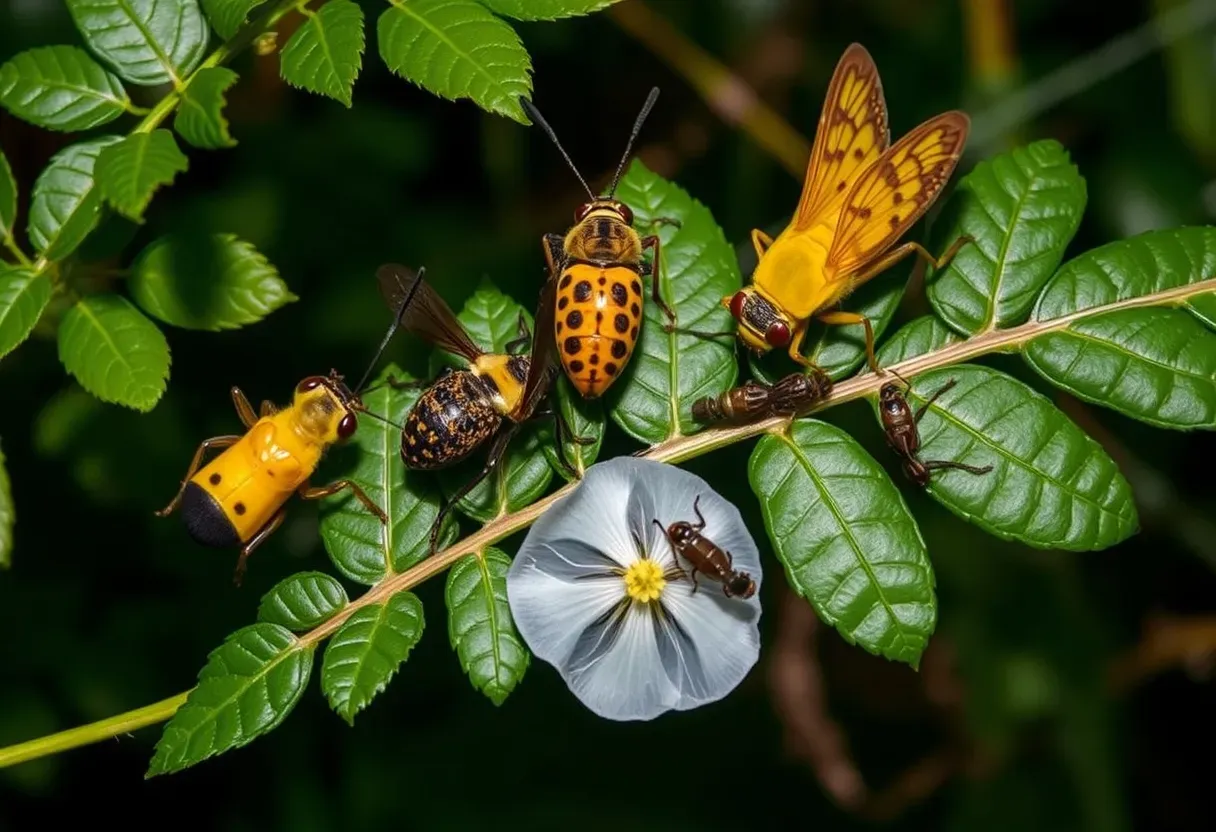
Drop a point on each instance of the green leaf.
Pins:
(115, 353)
(8, 516)
(457, 49)
(146, 41)
(924, 335)
(325, 54)
(60, 88)
(206, 281)
(1021, 208)
(226, 16)
(1204, 308)
(250, 684)
(583, 418)
(130, 171)
(8, 198)
(366, 651)
(200, 116)
(653, 399)
(359, 545)
(24, 295)
(846, 538)
(302, 601)
(545, 9)
(1051, 485)
(66, 206)
(480, 626)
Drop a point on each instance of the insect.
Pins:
(239, 497)
(903, 435)
(706, 556)
(461, 409)
(754, 400)
(598, 268)
(860, 195)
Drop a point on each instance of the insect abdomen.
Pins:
(205, 518)
(599, 313)
(448, 422)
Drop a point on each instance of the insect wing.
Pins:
(852, 134)
(427, 314)
(893, 193)
(542, 360)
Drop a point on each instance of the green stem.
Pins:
(12, 246)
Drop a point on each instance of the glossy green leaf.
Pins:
(200, 116)
(457, 49)
(583, 418)
(250, 684)
(66, 205)
(8, 516)
(302, 601)
(115, 353)
(146, 41)
(365, 652)
(60, 88)
(1204, 308)
(24, 295)
(1051, 486)
(652, 401)
(1021, 208)
(480, 626)
(924, 335)
(359, 545)
(8, 198)
(846, 538)
(226, 16)
(545, 9)
(325, 54)
(129, 172)
(208, 282)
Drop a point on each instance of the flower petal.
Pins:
(724, 633)
(574, 560)
(551, 613)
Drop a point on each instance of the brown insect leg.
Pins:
(933, 464)
(696, 507)
(652, 243)
(243, 408)
(921, 410)
(522, 340)
(239, 574)
(497, 449)
(555, 253)
(195, 464)
(842, 317)
(320, 491)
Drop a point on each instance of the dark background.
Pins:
(1061, 691)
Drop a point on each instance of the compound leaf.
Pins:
(146, 41)
(115, 353)
(66, 203)
(480, 626)
(60, 88)
(302, 601)
(325, 54)
(129, 172)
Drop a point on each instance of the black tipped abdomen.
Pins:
(205, 519)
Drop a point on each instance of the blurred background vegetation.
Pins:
(1061, 691)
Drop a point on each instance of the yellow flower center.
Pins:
(644, 580)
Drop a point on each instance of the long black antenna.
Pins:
(384, 419)
(405, 302)
(637, 128)
(537, 118)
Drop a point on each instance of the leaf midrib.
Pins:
(439, 33)
(492, 610)
(151, 41)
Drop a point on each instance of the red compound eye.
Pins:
(626, 213)
(310, 383)
(736, 305)
(346, 428)
(582, 211)
(778, 334)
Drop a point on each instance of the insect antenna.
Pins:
(637, 128)
(384, 419)
(405, 302)
(538, 119)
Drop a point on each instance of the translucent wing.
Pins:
(542, 362)
(426, 314)
(893, 194)
(852, 134)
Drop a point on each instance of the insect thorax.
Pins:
(502, 378)
(604, 238)
(315, 415)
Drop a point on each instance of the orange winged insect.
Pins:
(861, 194)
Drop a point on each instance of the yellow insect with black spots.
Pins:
(238, 498)
(859, 197)
(598, 266)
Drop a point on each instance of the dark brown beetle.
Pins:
(903, 435)
(753, 400)
(706, 556)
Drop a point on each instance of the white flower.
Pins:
(596, 591)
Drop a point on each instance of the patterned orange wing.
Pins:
(893, 194)
(852, 134)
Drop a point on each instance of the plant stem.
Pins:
(12, 246)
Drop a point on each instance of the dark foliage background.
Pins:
(1044, 701)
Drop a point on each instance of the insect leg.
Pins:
(267, 409)
(497, 449)
(921, 411)
(555, 252)
(696, 507)
(523, 340)
(652, 243)
(247, 549)
(841, 317)
(932, 464)
(394, 383)
(243, 408)
(307, 493)
(195, 464)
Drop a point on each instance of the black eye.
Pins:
(310, 383)
(626, 213)
(346, 428)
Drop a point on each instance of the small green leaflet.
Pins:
(8, 517)
(924, 335)
(250, 684)
(206, 281)
(365, 652)
(66, 205)
(480, 626)
(226, 16)
(200, 116)
(325, 54)
(8, 198)
(457, 49)
(115, 353)
(60, 88)
(146, 41)
(129, 172)
(302, 601)
(545, 9)
(24, 295)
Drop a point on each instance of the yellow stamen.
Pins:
(644, 580)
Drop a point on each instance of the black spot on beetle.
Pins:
(214, 479)
(619, 349)
(620, 295)
(572, 345)
(621, 323)
(575, 319)
(239, 508)
(582, 291)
